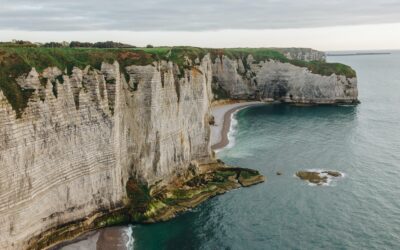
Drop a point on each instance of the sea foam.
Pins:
(331, 180)
(232, 132)
(131, 240)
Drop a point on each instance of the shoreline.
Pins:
(223, 119)
(105, 238)
(116, 237)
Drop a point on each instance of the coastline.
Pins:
(117, 237)
(222, 116)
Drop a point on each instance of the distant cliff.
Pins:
(91, 138)
(302, 54)
(249, 77)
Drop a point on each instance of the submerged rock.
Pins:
(318, 178)
(313, 177)
(333, 173)
(278, 173)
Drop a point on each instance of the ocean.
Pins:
(358, 211)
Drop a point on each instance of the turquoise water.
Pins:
(359, 211)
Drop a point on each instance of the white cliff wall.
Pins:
(75, 146)
(57, 162)
(165, 124)
(303, 54)
(272, 80)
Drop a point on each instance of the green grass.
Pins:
(248, 174)
(112, 220)
(177, 55)
(326, 69)
(16, 45)
(259, 54)
(19, 60)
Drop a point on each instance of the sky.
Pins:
(324, 25)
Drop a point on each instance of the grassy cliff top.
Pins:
(16, 61)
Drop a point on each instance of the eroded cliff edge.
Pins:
(126, 139)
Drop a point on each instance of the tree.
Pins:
(76, 44)
(53, 45)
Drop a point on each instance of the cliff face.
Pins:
(57, 161)
(303, 54)
(163, 119)
(87, 137)
(271, 80)
(77, 143)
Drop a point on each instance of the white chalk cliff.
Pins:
(68, 156)
(75, 146)
(278, 81)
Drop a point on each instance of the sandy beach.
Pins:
(222, 117)
(115, 238)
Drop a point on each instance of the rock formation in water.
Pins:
(126, 140)
(317, 177)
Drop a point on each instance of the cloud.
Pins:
(185, 15)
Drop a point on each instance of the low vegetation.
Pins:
(326, 69)
(73, 44)
(259, 54)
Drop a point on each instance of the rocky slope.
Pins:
(128, 140)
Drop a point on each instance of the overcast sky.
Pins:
(327, 25)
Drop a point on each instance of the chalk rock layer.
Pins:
(83, 135)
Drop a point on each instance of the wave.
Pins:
(232, 130)
(231, 133)
(131, 240)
